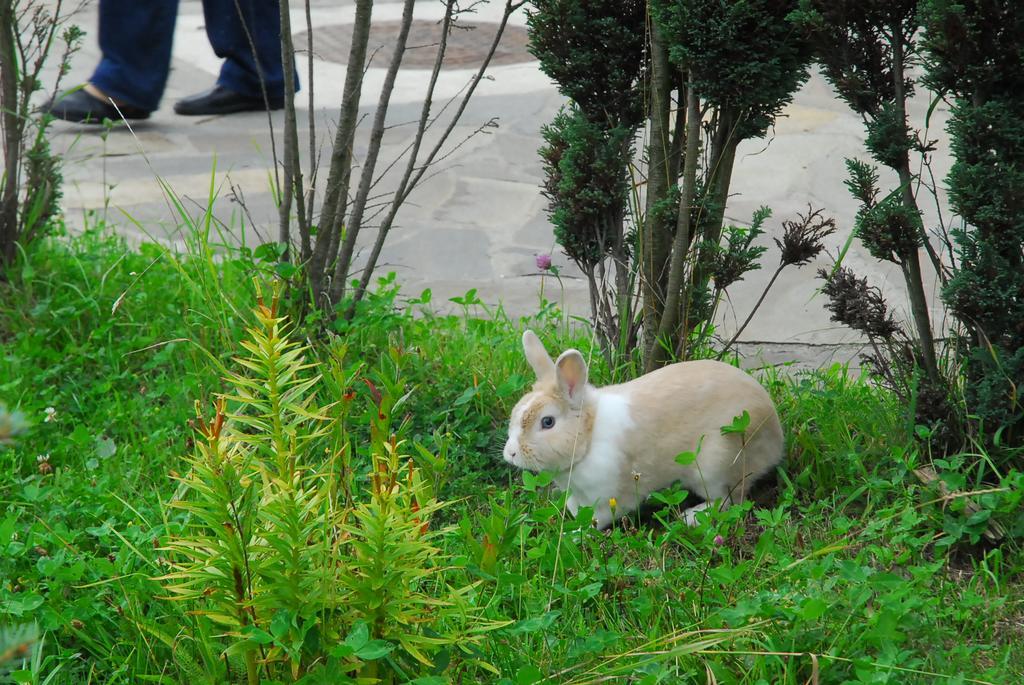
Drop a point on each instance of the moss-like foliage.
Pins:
(739, 256)
(975, 53)
(973, 47)
(586, 183)
(889, 138)
(745, 56)
(853, 44)
(595, 50)
(890, 230)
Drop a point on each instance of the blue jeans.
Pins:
(136, 38)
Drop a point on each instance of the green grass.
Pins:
(848, 569)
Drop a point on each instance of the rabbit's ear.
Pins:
(572, 376)
(537, 356)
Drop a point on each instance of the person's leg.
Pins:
(247, 34)
(135, 37)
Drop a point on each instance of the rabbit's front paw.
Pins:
(690, 515)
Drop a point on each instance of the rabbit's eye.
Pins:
(547, 422)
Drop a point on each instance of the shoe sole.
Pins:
(96, 120)
(187, 112)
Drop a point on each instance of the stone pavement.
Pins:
(480, 220)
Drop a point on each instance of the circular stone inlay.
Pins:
(467, 44)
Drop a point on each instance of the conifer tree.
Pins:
(975, 57)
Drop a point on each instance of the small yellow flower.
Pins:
(612, 503)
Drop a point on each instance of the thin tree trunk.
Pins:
(912, 274)
(292, 171)
(339, 175)
(676, 298)
(723, 181)
(13, 130)
(654, 238)
(354, 224)
(675, 159)
(912, 262)
(620, 263)
(311, 198)
(723, 156)
(919, 311)
(600, 313)
(592, 288)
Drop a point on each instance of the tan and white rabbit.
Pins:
(621, 441)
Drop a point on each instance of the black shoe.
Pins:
(221, 100)
(81, 107)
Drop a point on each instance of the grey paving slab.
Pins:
(480, 220)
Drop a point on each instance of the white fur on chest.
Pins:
(595, 478)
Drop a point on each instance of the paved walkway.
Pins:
(480, 221)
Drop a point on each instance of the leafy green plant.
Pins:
(500, 533)
(255, 506)
(30, 183)
(281, 549)
(986, 288)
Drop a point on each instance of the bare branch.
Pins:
(314, 159)
(337, 288)
(510, 7)
(414, 173)
(339, 174)
(292, 187)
